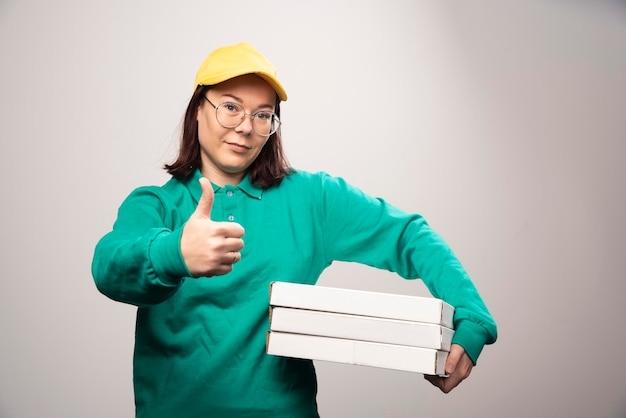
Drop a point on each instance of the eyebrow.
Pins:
(232, 96)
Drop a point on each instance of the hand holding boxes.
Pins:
(359, 327)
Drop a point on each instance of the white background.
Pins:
(502, 122)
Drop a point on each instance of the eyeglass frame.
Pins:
(275, 117)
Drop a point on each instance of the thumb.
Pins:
(455, 354)
(205, 204)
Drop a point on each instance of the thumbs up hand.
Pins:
(210, 248)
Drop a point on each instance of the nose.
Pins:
(245, 126)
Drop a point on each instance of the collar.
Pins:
(245, 185)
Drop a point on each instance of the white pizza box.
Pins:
(355, 352)
(364, 328)
(362, 302)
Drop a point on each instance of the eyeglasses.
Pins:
(231, 115)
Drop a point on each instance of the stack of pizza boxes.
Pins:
(392, 331)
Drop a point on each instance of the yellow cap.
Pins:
(234, 60)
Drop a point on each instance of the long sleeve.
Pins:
(363, 229)
(139, 261)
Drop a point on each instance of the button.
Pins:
(231, 218)
(229, 193)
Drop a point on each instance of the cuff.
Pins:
(166, 257)
(472, 337)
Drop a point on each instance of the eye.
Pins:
(231, 107)
(264, 116)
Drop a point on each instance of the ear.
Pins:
(200, 92)
(199, 111)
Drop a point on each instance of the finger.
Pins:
(450, 382)
(205, 204)
(445, 384)
(434, 380)
(233, 244)
(456, 352)
(230, 258)
(234, 230)
(229, 230)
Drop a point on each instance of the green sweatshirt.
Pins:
(200, 342)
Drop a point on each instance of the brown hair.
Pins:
(268, 169)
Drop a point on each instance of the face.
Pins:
(226, 153)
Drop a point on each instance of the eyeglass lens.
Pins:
(230, 115)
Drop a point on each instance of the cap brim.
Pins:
(271, 80)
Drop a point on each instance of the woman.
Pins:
(197, 256)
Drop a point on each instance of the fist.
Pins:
(210, 248)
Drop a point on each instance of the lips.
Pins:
(238, 147)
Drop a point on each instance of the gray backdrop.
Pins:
(502, 122)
